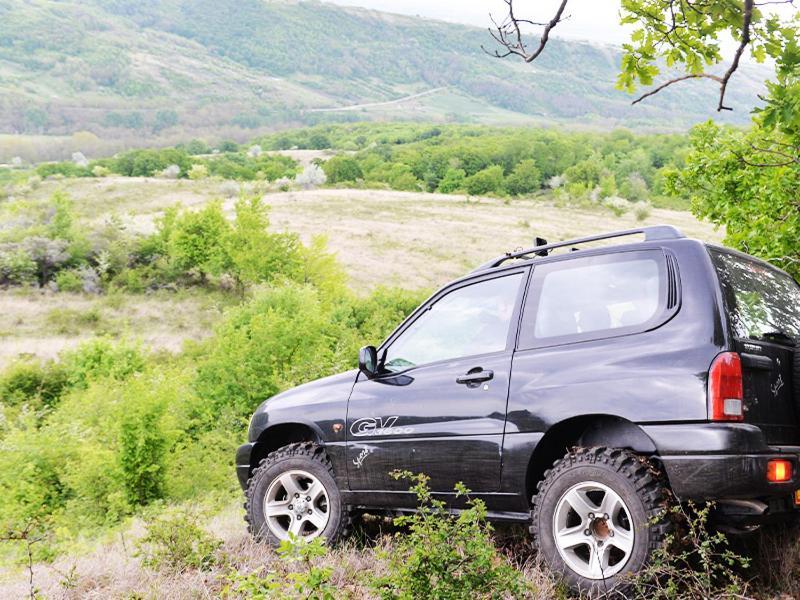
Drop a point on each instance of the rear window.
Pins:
(762, 303)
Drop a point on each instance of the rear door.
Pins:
(763, 309)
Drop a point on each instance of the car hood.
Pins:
(314, 404)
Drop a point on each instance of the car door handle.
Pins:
(473, 378)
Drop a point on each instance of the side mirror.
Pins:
(368, 361)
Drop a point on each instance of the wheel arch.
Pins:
(586, 430)
(279, 435)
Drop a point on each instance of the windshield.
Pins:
(762, 303)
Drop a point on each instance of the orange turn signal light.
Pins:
(797, 497)
(779, 470)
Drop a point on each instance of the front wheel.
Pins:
(292, 494)
(598, 516)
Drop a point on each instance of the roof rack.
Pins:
(651, 234)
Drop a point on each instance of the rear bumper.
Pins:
(243, 455)
(719, 461)
(716, 477)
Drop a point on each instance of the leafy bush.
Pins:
(489, 180)
(69, 281)
(198, 172)
(281, 338)
(313, 582)
(524, 179)
(142, 446)
(176, 542)
(196, 240)
(452, 181)
(33, 382)
(341, 169)
(446, 556)
(64, 169)
(695, 563)
(17, 267)
(148, 163)
(255, 255)
(101, 358)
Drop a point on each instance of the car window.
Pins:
(760, 301)
(467, 321)
(587, 296)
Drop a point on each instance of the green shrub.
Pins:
(696, 562)
(69, 281)
(312, 582)
(253, 253)
(17, 268)
(281, 338)
(196, 240)
(142, 445)
(341, 169)
(175, 542)
(198, 172)
(134, 281)
(446, 556)
(64, 169)
(101, 358)
(148, 163)
(452, 181)
(489, 180)
(33, 382)
(524, 179)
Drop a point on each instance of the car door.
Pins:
(439, 405)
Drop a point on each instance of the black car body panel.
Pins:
(630, 377)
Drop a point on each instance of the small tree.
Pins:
(342, 169)
(524, 179)
(255, 254)
(198, 171)
(311, 177)
(196, 241)
(452, 181)
(484, 182)
(141, 454)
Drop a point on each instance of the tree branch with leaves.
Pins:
(668, 35)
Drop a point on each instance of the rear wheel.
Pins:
(292, 494)
(598, 516)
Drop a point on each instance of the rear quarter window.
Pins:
(761, 302)
(595, 297)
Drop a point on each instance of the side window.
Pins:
(468, 321)
(594, 297)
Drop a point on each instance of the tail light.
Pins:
(779, 471)
(725, 389)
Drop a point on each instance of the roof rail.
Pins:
(651, 234)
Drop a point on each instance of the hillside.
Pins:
(145, 70)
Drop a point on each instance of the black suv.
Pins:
(574, 388)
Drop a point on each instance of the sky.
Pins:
(594, 20)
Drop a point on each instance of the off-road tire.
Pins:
(305, 456)
(636, 480)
